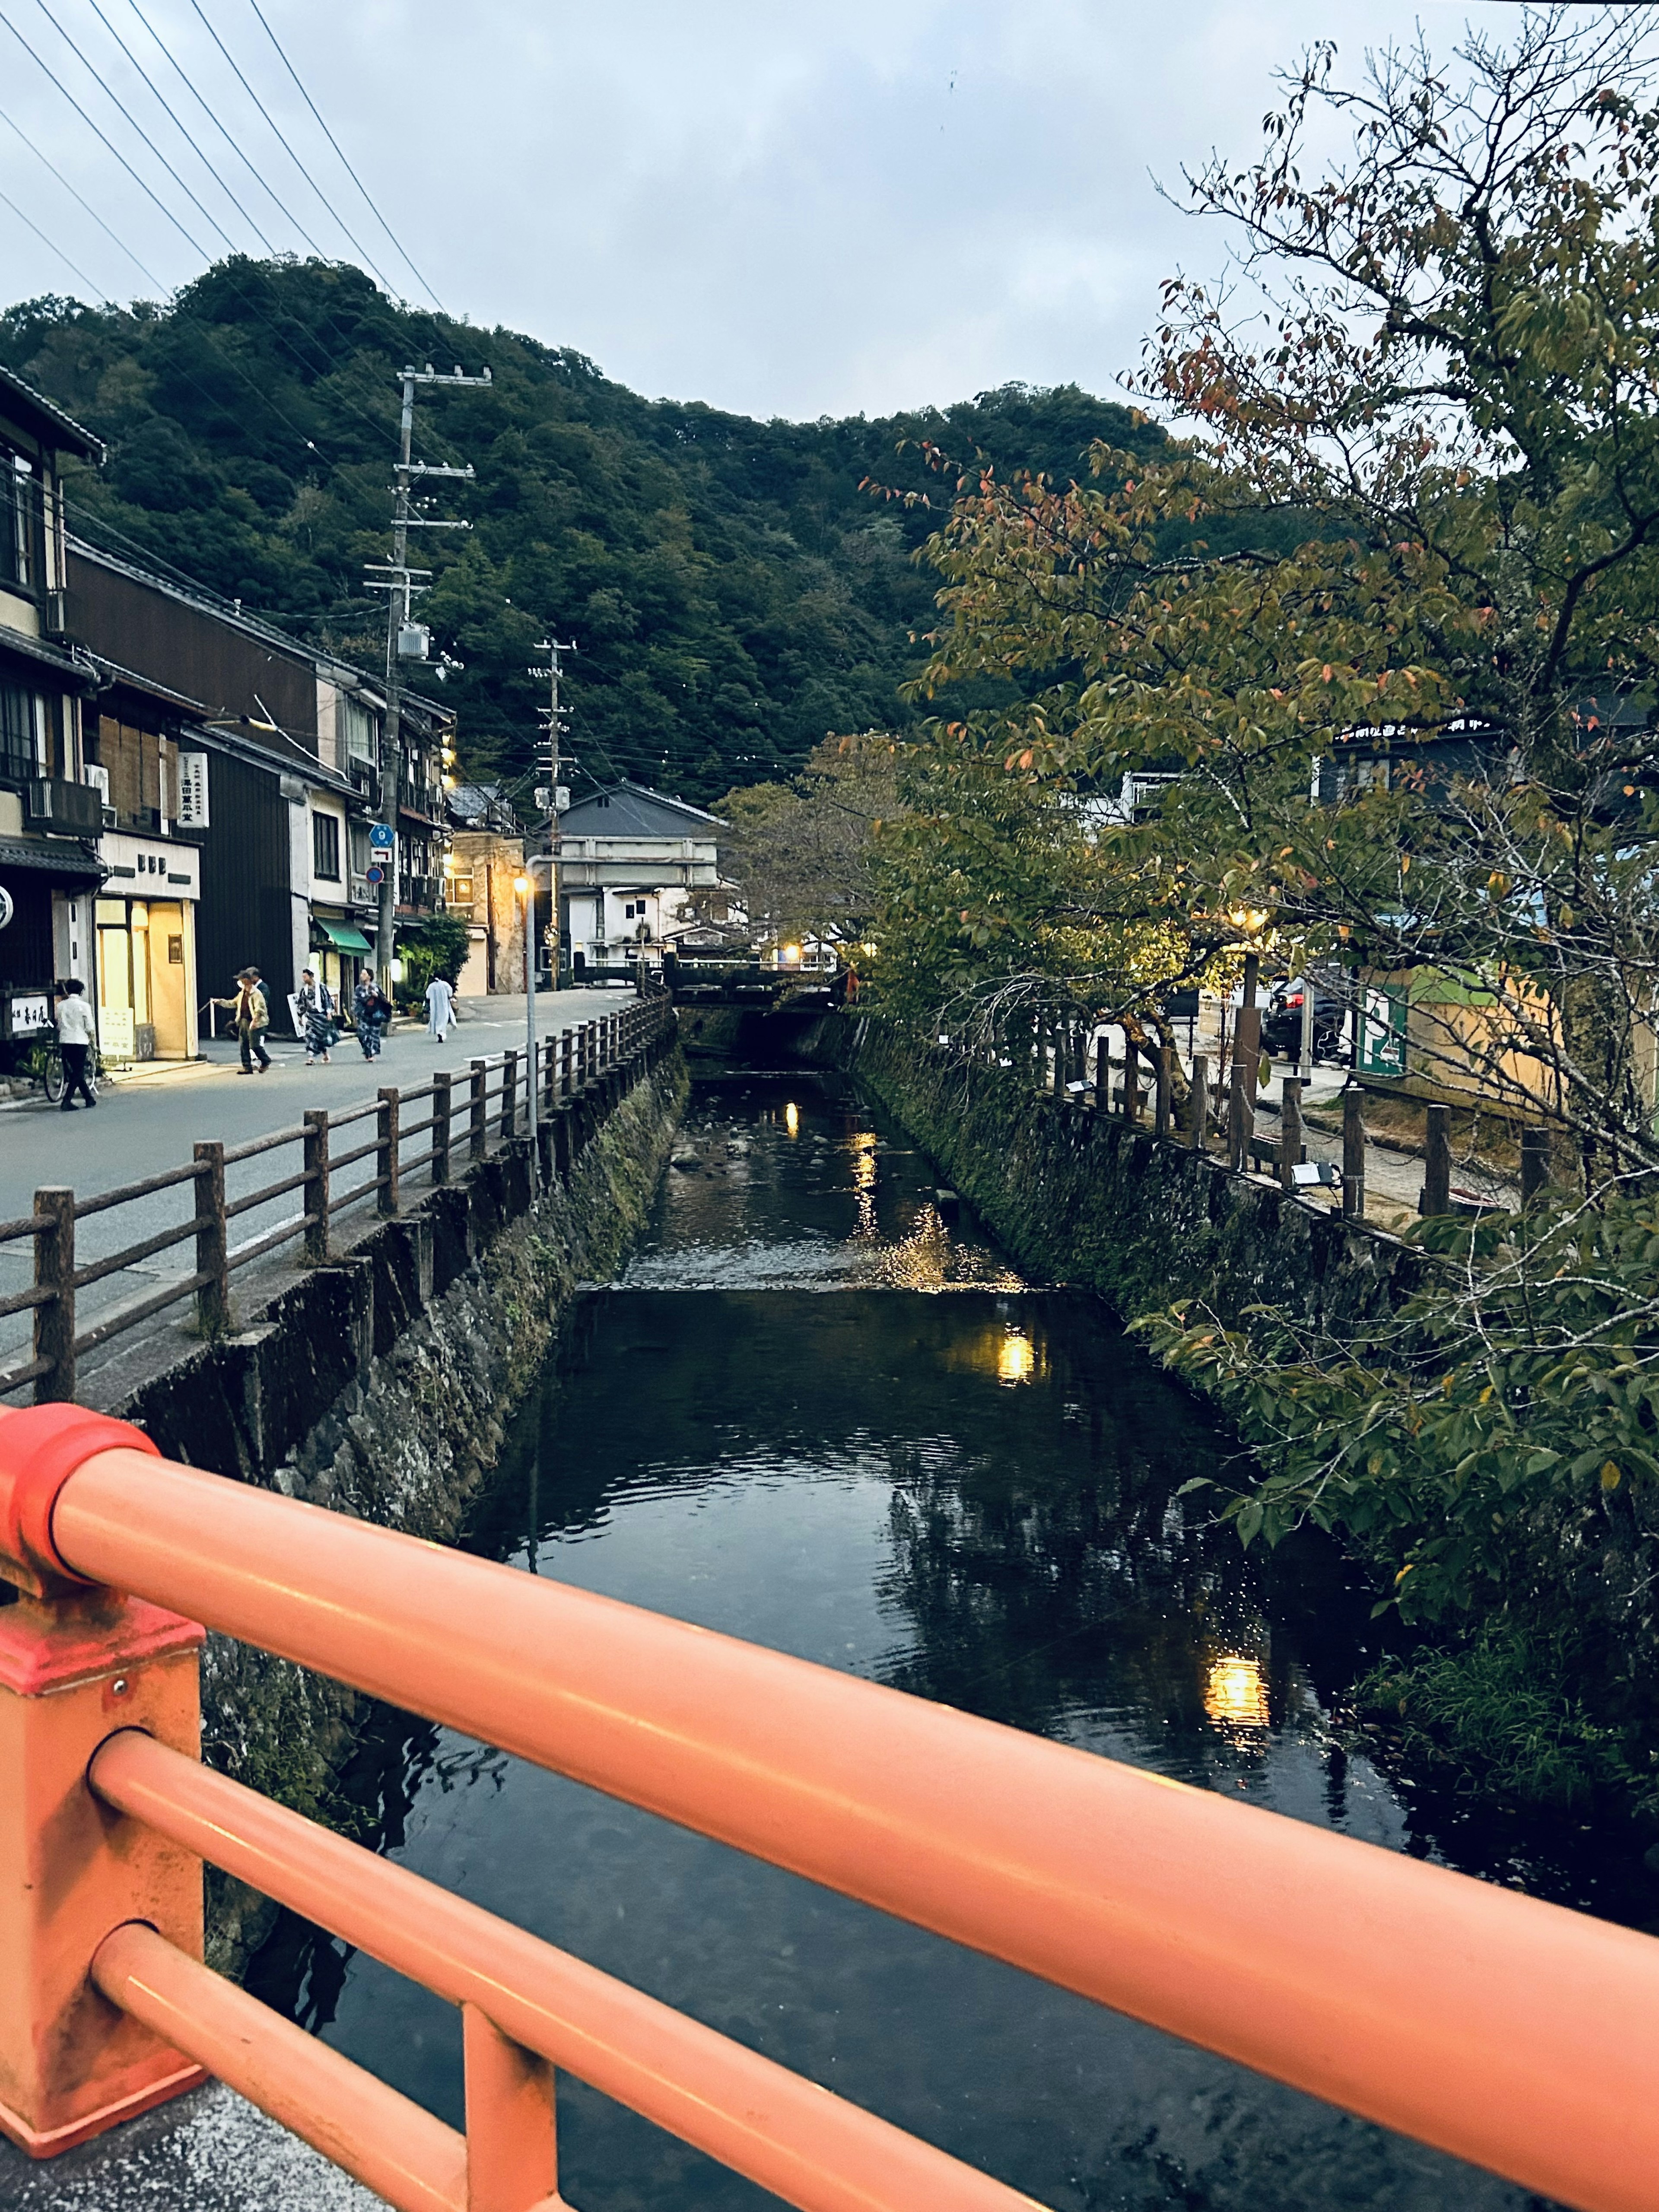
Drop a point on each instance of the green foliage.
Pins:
(1496, 1445)
(1507, 1710)
(437, 946)
(734, 591)
(801, 852)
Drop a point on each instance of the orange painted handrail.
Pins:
(391, 2144)
(1506, 2031)
(803, 2143)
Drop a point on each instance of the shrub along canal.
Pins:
(816, 1413)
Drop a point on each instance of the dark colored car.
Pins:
(1282, 1023)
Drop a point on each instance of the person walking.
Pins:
(316, 1003)
(440, 1007)
(76, 1031)
(373, 1012)
(251, 1018)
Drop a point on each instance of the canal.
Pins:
(819, 1411)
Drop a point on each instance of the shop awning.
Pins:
(342, 935)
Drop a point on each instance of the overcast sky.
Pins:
(788, 210)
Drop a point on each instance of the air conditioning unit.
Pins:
(65, 810)
(98, 778)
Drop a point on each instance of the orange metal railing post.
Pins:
(512, 2161)
(76, 1662)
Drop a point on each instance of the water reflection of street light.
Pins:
(1016, 1357)
(791, 1118)
(1236, 1693)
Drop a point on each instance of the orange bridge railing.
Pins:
(1510, 2032)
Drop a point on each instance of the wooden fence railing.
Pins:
(490, 1104)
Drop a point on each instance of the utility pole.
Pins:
(405, 638)
(553, 670)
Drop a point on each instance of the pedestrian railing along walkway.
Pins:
(467, 1115)
(1511, 2032)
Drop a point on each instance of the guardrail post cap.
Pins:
(40, 1447)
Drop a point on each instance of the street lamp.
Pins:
(527, 890)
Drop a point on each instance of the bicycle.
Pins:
(48, 1061)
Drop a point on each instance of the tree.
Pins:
(801, 853)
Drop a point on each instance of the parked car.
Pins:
(1281, 1024)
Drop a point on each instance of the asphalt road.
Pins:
(150, 1120)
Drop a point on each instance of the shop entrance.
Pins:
(146, 980)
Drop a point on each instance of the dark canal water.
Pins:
(813, 1413)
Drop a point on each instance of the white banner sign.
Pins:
(192, 790)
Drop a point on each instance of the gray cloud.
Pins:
(786, 211)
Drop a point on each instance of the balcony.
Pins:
(62, 809)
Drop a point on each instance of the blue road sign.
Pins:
(375, 876)
(379, 836)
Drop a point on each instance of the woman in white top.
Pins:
(77, 1033)
(440, 1007)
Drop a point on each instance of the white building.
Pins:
(629, 860)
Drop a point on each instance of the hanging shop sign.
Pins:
(192, 790)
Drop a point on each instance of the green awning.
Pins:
(343, 935)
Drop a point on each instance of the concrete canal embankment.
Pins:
(1085, 1198)
(379, 1385)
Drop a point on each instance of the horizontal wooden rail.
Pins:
(475, 1108)
(811, 2148)
(1506, 2031)
(385, 2140)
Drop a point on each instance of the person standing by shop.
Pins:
(252, 1018)
(75, 1033)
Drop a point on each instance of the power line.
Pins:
(207, 109)
(167, 110)
(87, 205)
(51, 247)
(346, 165)
(283, 142)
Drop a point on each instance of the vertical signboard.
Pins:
(192, 790)
(1382, 1033)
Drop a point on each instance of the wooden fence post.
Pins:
(1290, 1134)
(1534, 1163)
(1353, 1154)
(1131, 1080)
(1102, 1075)
(316, 1188)
(567, 1063)
(548, 1052)
(386, 1152)
(212, 1296)
(1437, 1173)
(1164, 1097)
(1240, 1118)
(478, 1135)
(509, 1090)
(1198, 1103)
(443, 1107)
(54, 1271)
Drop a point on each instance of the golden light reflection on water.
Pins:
(1016, 1357)
(791, 1118)
(1236, 1693)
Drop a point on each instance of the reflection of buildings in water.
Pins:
(1236, 1693)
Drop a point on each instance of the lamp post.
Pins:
(524, 887)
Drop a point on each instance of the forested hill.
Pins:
(733, 593)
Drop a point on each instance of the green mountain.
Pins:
(733, 593)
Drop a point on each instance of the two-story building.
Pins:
(485, 865)
(269, 773)
(49, 820)
(628, 860)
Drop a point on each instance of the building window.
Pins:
(18, 505)
(363, 852)
(460, 891)
(360, 731)
(19, 721)
(326, 847)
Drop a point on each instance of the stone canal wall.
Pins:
(381, 1385)
(1084, 1198)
